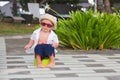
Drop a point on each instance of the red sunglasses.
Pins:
(45, 24)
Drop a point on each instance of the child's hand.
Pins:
(55, 45)
(27, 46)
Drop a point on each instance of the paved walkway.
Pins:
(15, 64)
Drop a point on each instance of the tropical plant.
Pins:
(89, 31)
(117, 12)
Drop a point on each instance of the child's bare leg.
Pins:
(52, 59)
(38, 60)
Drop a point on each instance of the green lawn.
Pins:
(7, 28)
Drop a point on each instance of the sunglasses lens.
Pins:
(43, 24)
(48, 25)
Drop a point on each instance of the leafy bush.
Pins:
(89, 31)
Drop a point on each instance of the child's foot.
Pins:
(40, 66)
(50, 65)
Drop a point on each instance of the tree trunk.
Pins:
(42, 2)
(14, 8)
(33, 1)
(104, 6)
(107, 6)
(100, 6)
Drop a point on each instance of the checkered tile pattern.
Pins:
(75, 66)
(72, 67)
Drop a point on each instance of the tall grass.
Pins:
(89, 31)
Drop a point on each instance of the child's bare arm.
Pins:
(29, 44)
(55, 45)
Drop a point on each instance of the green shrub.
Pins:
(89, 31)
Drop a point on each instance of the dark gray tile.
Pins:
(62, 68)
(15, 62)
(59, 63)
(56, 59)
(94, 65)
(118, 61)
(113, 77)
(66, 75)
(21, 79)
(104, 70)
(14, 57)
(113, 57)
(20, 72)
(9, 67)
(15, 46)
(79, 56)
(87, 60)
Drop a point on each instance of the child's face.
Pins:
(46, 25)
